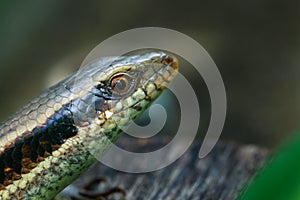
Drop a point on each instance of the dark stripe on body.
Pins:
(36, 145)
(39, 144)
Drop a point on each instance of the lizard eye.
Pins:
(122, 84)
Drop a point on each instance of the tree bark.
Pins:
(221, 175)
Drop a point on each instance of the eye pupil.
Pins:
(120, 85)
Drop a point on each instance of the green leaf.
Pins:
(280, 178)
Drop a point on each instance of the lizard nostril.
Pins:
(170, 61)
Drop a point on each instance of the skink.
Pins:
(48, 143)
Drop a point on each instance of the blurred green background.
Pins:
(255, 44)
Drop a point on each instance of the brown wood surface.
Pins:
(221, 175)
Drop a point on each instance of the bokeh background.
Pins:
(255, 44)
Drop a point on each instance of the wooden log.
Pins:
(220, 175)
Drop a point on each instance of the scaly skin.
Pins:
(48, 143)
